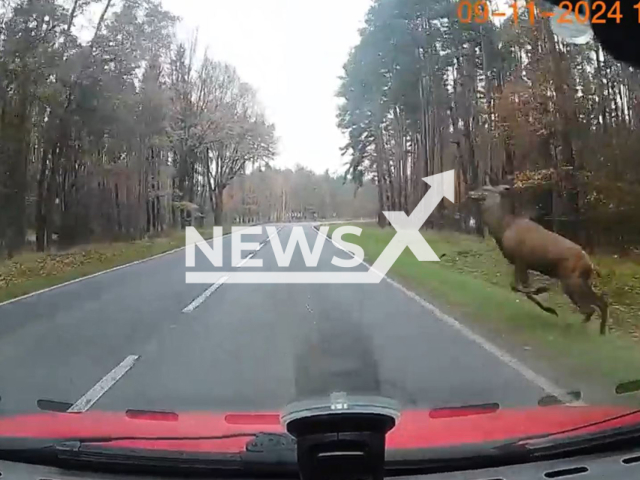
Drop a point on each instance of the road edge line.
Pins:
(535, 378)
(76, 280)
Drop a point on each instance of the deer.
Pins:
(529, 246)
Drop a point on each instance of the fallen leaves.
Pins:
(30, 267)
(47, 265)
(30, 272)
(530, 178)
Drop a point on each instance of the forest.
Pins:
(268, 194)
(501, 102)
(117, 134)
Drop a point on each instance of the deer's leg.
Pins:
(521, 285)
(587, 300)
(540, 290)
(603, 306)
(520, 279)
(521, 282)
(571, 291)
(600, 302)
(540, 305)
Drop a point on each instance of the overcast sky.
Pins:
(292, 52)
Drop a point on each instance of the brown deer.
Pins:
(529, 246)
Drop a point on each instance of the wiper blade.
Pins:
(11, 445)
(264, 452)
(558, 444)
(108, 439)
(572, 441)
(579, 428)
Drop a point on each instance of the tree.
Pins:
(30, 53)
(113, 137)
(218, 129)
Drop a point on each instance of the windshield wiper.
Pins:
(571, 441)
(108, 439)
(558, 444)
(26, 445)
(264, 452)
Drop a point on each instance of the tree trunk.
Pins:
(14, 152)
(424, 130)
(16, 227)
(218, 207)
(561, 87)
(382, 184)
(41, 219)
(72, 15)
(103, 15)
(600, 92)
(51, 195)
(117, 205)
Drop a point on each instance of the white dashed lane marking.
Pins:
(99, 389)
(198, 301)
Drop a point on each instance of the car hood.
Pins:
(416, 429)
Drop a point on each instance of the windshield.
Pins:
(212, 213)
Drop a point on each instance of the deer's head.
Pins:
(489, 195)
(494, 210)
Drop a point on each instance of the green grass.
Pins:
(472, 282)
(29, 272)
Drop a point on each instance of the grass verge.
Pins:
(29, 272)
(472, 282)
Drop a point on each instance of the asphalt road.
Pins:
(244, 347)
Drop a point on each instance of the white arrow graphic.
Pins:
(408, 228)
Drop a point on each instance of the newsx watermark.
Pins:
(407, 236)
